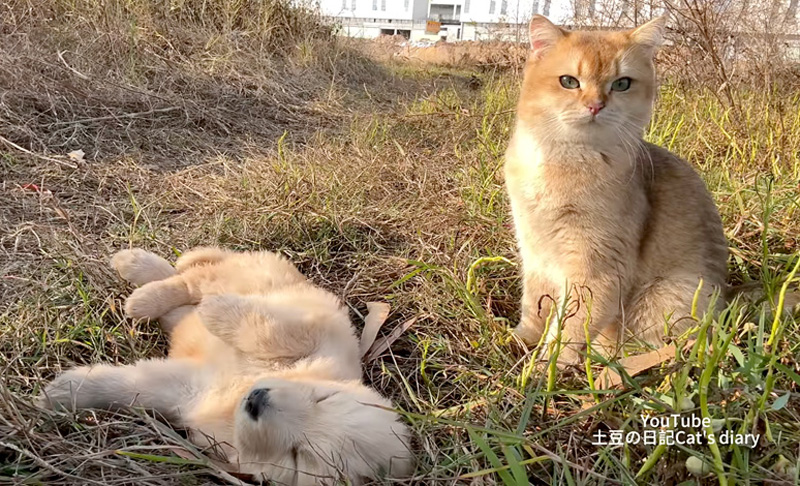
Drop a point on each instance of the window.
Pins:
(344, 4)
(374, 4)
(383, 5)
(491, 6)
(504, 7)
(466, 6)
(406, 5)
(353, 5)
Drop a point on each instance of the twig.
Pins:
(116, 117)
(75, 71)
(468, 115)
(43, 157)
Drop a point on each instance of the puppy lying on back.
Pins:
(261, 362)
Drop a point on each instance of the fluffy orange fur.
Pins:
(622, 229)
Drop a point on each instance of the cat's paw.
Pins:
(528, 334)
(139, 267)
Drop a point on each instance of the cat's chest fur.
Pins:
(570, 202)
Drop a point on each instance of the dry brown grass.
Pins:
(150, 76)
(484, 56)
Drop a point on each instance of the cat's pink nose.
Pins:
(595, 107)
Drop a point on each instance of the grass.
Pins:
(393, 193)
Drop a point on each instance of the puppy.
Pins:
(262, 364)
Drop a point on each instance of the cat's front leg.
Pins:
(589, 316)
(538, 299)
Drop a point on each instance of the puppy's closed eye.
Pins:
(325, 397)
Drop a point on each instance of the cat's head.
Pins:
(589, 86)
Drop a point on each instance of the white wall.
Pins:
(474, 14)
(376, 9)
(516, 11)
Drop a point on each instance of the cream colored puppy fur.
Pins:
(618, 230)
(261, 362)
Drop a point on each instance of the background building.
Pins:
(454, 20)
(440, 19)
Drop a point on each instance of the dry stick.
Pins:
(75, 71)
(447, 113)
(116, 117)
(43, 157)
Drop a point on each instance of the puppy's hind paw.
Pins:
(155, 299)
(139, 267)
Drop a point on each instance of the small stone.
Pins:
(697, 466)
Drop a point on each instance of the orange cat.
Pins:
(622, 229)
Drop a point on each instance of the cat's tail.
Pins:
(140, 267)
(754, 292)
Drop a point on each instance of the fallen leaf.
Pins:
(634, 365)
(383, 344)
(76, 155)
(377, 312)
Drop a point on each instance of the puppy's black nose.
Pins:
(256, 402)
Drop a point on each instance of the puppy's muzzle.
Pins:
(256, 402)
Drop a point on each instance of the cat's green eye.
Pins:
(569, 82)
(622, 84)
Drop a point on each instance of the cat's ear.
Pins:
(651, 34)
(544, 34)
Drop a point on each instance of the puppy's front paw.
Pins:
(140, 267)
(222, 314)
(62, 392)
(142, 304)
(138, 305)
